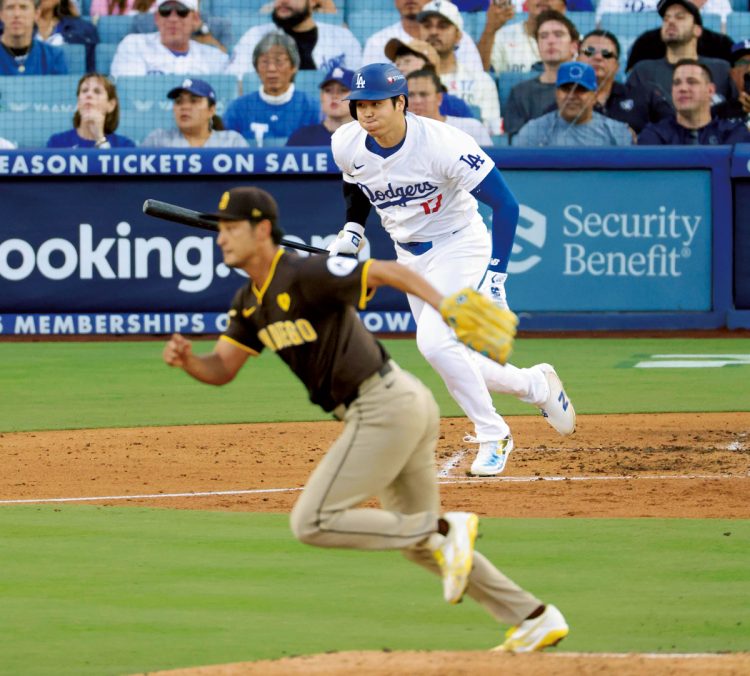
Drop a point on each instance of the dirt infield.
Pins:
(476, 663)
(668, 465)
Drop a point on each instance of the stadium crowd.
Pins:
(254, 73)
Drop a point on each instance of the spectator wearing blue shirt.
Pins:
(58, 24)
(96, 118)
(692, 92)
(335, 86)
(20, 53)
(277, 108)
(574, 123)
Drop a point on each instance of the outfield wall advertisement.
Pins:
(77, 255)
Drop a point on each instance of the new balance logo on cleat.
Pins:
(557, 409)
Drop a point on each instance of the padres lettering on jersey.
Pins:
(422, 190)
(305, 313)
(282, 334)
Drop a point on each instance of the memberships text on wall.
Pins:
(154, 323)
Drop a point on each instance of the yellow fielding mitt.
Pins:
(480, 324)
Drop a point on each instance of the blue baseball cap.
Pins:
(196, 87)
(740, 49)
(575, 72)
(338, 74)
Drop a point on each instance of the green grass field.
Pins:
(103, 590)
(124, 384)
(90, 590)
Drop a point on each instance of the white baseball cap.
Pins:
(445, 9)
(190, 4)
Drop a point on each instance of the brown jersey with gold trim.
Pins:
(306, 313)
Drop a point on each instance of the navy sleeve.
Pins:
(357, 205)
(649, 137)
(494, 191)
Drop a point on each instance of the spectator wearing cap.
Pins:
(170, 50)
(649, 45)
(681, 27)
(512, 48)
(198, 125)
(335, 86)
(574, 123)
(408, 28)
(692, 124)
(739, 107)
(425, 94)
(418, 55)
(321, 46)
(20, 53)
(442, 27)
(96, 118)
(277, 108)
(558, 40)
(213, 30)
(723, 8)
(635, 107)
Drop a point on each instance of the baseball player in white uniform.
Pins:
(423, 178)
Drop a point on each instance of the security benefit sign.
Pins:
(611, 241)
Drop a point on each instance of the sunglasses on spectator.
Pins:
(592, 51)
(166, 10)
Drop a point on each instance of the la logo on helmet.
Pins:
(360, 83)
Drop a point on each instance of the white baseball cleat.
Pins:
(557, 408)
(531, 635)
(455, 554)
(492, 457)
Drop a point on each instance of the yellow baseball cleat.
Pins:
(531, 635)
(455, 554)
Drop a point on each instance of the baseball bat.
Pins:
(177, 214)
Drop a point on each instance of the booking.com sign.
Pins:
(620, 247)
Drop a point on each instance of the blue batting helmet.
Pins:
(376, 82)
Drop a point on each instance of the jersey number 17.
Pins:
(432, 204)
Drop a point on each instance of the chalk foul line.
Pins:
(441, 481)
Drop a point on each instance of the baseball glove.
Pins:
(480, 324)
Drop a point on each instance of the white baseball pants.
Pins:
(454, 262)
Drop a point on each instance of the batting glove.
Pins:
(349, 242)
(493, 286)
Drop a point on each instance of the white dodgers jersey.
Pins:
(422, 190)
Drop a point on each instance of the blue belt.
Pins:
(416, 248)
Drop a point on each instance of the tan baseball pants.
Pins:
(387, 450)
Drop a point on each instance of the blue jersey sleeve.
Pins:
(494, 191)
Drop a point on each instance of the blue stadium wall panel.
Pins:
(629, 239)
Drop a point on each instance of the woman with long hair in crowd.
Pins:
(59, 23)
(96, 118)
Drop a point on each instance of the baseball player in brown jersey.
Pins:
(304, 309)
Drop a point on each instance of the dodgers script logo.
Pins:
(398, 197)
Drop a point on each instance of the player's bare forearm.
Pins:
(390, 273)
(215, 368)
